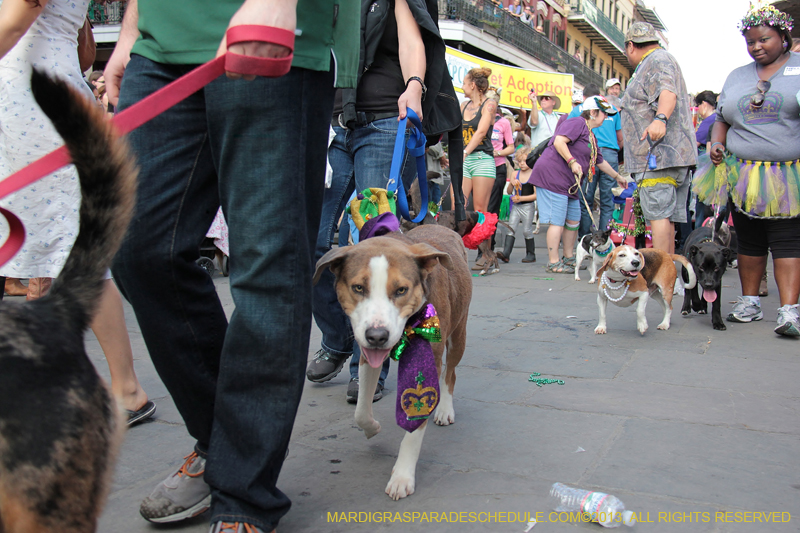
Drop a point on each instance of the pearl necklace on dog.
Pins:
(606, 284)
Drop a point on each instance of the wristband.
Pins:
(418, 79)
(570, 161)
(719, 143)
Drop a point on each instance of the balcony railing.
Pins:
(106, 12)
(598, 19)
(484, 14)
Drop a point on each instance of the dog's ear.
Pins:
(607, 263)
(693, 250)
(428, 257)
(607, 233)
(333, 260)
(727, 254)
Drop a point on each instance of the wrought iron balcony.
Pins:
(587, 17)
(106, 13)
(484, 14)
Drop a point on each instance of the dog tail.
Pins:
(688, 266)
(107, 176)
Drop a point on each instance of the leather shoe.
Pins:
(352, 391)
(325, 366)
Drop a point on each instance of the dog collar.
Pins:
(603, 253)
(606, 284)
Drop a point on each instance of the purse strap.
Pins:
(416, 148)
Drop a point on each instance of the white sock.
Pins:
(755, 300)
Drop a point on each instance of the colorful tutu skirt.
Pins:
(759, 189)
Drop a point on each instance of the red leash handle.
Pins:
(152, 106)
(259, 66)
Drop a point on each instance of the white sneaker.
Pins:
(788, 321)
(745, 311)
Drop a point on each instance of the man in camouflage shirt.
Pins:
(656, 105)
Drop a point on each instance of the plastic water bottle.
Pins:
(605, 509)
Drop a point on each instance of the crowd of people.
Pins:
(237, 383)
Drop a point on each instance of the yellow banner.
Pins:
(515, 82)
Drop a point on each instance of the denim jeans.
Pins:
(360, 158)
(606, 183)
(257, 148)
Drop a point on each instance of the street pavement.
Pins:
(688, 427)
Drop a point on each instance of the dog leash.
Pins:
(416, 148)
(154, 105)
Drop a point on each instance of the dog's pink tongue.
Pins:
(709, 296)
(375, 358)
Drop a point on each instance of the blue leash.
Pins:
(416, 148)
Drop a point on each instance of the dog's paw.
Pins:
(663, 326)
(400, 486)
(702, 312)
(642, 327)
(685, 313)
(444, 416)
(720, 326)
(371, 427)
(600, 330)
(593, 281)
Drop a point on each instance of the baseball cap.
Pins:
(641, 32)
(599, 102)
(613, 81)
(577, 96)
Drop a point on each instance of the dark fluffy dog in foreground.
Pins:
(59, 425)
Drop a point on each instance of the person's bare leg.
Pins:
(569, 238)
(466, 188)
(482, 192)
(663, 235)
(751, 268)
(112, 334)
(553, 239)
(14, 287)
(787, 276)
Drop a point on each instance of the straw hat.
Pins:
(552, 95)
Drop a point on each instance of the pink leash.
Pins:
(152, 106)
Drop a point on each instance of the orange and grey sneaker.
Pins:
(234, 527)
(182, 495)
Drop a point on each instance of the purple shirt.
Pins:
(702, 131)
(551, 171)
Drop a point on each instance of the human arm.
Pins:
(16, 17)
(666, 105)
(719, 134)
(561, 144)
(275, 13)
(412, 58)
(115, 68)
(507, 138)
(533, 119)
(608, 169)
(487, 119)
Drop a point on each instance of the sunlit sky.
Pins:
(703, 38)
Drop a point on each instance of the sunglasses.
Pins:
(757, 100)
(546, 98)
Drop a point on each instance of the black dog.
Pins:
(709, 256)
(59, 425)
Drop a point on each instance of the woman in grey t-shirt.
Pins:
(756, 163)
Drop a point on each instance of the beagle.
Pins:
(630, 276)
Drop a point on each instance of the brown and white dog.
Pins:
(630, 276)
(59, 425)
(380, 283)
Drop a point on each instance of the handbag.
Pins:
(87, 49)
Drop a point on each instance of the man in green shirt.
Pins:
(257, 148)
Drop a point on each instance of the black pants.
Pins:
(496, 198)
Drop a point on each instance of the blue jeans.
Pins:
(257, 149)
(360, 158)
(606, 183)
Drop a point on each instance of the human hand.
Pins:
(622, 182)
(115, 69)
(411, 97)
(656, 130)
(576, 169)
(444, 161)
(717, 152)
(532, 95)
(276, 13)
(515, 198)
